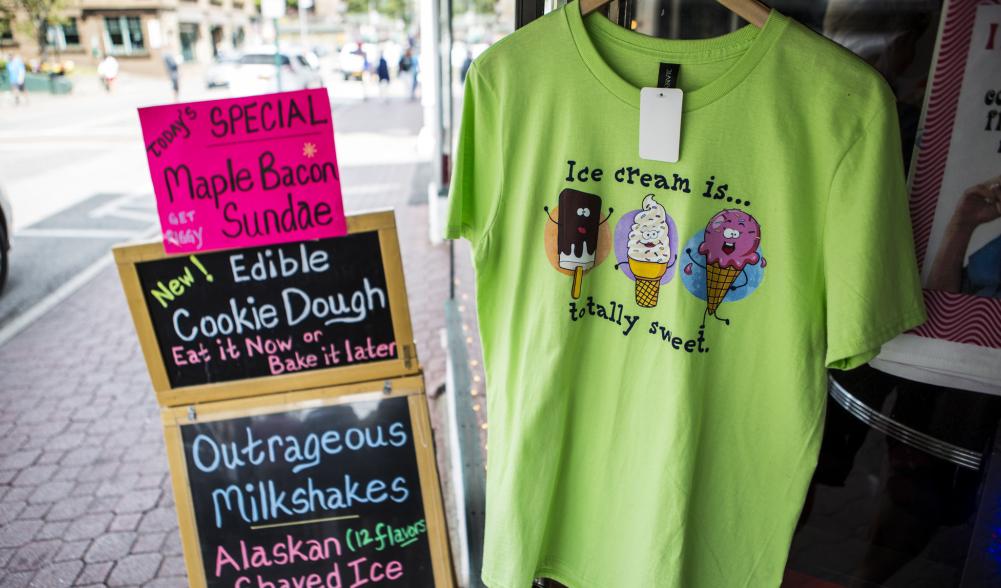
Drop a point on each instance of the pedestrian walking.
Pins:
(107, 70)
(410, 66)
(382, 73)
(173, 72)
(16, 74)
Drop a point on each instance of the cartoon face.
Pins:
(649, 238)
(578, 228)
(731, 239)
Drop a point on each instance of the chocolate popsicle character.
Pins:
(577, 230)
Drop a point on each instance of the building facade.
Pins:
(140, 32)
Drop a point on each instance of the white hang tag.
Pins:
(660, 123)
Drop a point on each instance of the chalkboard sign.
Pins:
(313, 489)
(271, 314)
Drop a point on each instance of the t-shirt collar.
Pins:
(750, 42)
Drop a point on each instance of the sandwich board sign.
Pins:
(334, 487)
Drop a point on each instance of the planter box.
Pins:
(37, 83)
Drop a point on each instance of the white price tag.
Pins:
(660, 123)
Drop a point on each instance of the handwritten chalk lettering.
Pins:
(368, 351)
(300, 305)
(186, 356)
(263, 501)
(310, 496)
(269, 265)
(384, 535)
(327, 300)
(227, 351)
(288, 551)
(178, 128)
(166, 293)
(235, 320)
(297, 363)
(354, 353)
(258, 346)
(254, 117)
(374, 572)
(359, 575)
(210, 455)
(330, 580)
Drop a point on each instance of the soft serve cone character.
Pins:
(649, 250)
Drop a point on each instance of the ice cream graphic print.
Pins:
(581, 237)
(729, 249)
(647, 237)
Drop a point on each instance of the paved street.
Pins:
(85, 496)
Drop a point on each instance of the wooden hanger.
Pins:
(752, 11)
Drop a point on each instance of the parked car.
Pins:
(6, 231)
(220, 73)
(311, 62)
(255, 71)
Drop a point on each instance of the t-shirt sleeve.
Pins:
(873, 292)
(478, 166)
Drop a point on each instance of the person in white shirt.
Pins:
(107, 70)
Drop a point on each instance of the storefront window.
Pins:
(238, 36)
(905, 472)
(64, 35)
(71, 35)
(124, 35)
(6, 31)
(188, 32)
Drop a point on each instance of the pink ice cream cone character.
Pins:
(731, 242)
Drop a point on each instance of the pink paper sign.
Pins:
(244, 171)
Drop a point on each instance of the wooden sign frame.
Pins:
(382, 221)
(411, 387)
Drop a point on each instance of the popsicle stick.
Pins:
(578, 277)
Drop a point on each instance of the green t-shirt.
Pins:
(660, 429)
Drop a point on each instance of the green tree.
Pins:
(477, 6)
(398, 9)
(41, 14)
(358, 6)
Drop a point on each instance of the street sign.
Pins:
(329, 487)
(246, 321)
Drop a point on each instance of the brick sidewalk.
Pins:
(85, 497)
